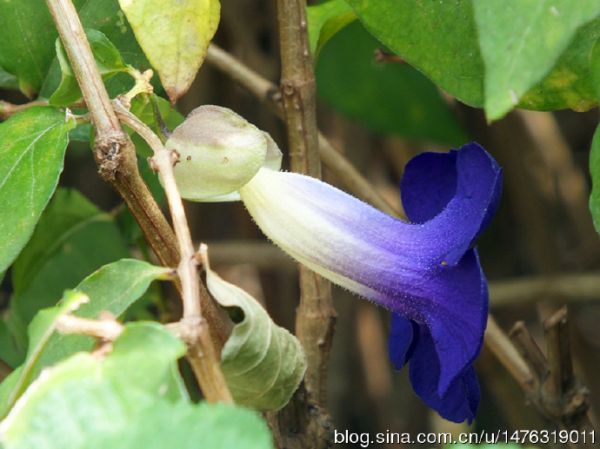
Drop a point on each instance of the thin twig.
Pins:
(561, 377)
(163, 161)
(387, 57)
(103, 329)
(584, 287)
(7, 109)
(5, 370)
(555, 391)
(115, 156)
(506, 353)
(203, 355)
(259, 253)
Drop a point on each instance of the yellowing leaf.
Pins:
(174, 35)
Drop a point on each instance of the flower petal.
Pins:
(458, 325)
(431, 181)
(456, 337)
(428, 184)
(395, 264)
(400, 342)
(461, 398)
(442, 186)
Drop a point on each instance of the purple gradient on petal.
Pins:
(401, 263)
(399, 252)
(425, 272)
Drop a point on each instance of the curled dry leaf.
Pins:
(263, 363)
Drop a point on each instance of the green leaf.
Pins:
(64, 249)
(386, 97)
(325, 20)
(438, 38)
(9, 352)
(521, 41)
(108, 60)
(113, 288)
(441, 39)
(571, 83)
(27, 48)
(26, 45)
(145, 355)
(121, 402)
(594, 64)
(263, 363)
(8, 81)
(595, 174)
(174, 36)
(40, 332)
(106, 17)
(142, 107)
(32, 148)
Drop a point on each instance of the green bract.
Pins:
(219, 152)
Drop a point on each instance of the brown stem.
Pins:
(561, 377)
(115, 156)
(7, 109)
(387, 57)
(202, 353)
(5, 370)
(555, 391)
(113, 150)
(506, 353)
(584, 287)
(315, 318)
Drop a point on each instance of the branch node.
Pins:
(107, 149)
(556, 392)
(175, 157)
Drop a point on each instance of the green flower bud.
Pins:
(219, 152)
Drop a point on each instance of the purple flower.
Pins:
(430, 184)
(425, 272)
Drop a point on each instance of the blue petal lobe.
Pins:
(402, 336)
(467, 181)
(461, 398)
(428, 185)
(458, 325)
